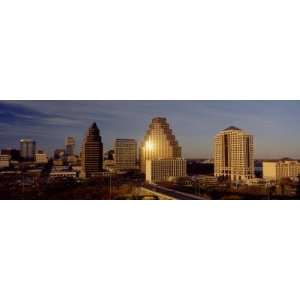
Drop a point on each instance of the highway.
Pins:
(173, 193)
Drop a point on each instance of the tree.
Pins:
(298, 188)
(231, 197)
(285, 181)
(270, 191)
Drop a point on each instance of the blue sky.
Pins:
(274, 124)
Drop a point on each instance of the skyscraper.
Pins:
(159, 143)
(27, 149)
(233, 154)
(125, 154)
(92, 152)
(70, 146)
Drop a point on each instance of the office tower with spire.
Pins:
(233, 154)
(159, 143)
(92, 152)
(27, 149)
(70, 145)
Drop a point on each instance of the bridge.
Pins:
(164, 193)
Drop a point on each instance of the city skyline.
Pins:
(274, 124)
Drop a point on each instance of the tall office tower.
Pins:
(27, 149)
(159, 143)
(70, 146)
(92, 152)
(233, 152)
(125, 154)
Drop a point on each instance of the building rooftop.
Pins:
(232, 128)
(94, 125)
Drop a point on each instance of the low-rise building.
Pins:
(4, 161)
(207, 180)
(58, 162)
(63, 174)
(109, 165)
(256, 181)
(159, 170)
(72, 159)
(41, 158)
(275, 170)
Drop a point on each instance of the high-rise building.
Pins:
(27, 149)
(159, 170)
(233, 154)
(70, 146)
(286, 168)
(92, 152)
(125, 154)
(159, 143)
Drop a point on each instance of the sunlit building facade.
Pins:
(4, 161)
(159, 143)
(159, 170)
(41, 158)
(125, 154)
(233, 154)
(276, 170)
(92, 153)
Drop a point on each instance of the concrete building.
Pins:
(125, 154)
(59, 154)
(275, 170)
(41, 158)
(159, 170)
(207, 180)
(4, 161)
(58, 162)
(92, 153)
(109, 165)
(159, 143)
(14, 153)
(70, 146)
(72, 160)
(233, 154)
(27, 149)
(63, 174)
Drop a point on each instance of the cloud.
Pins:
(193, 122)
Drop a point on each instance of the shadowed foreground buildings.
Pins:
(233, 154)
(159, 143)
(92, 153)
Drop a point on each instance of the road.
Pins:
(173, 193)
